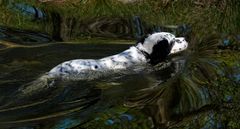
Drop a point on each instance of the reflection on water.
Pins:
(23, 37)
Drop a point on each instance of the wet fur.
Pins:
(150, 50)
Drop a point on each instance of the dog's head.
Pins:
(158, 46)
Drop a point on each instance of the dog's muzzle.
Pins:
(178, 45)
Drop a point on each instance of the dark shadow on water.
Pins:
(23, 37)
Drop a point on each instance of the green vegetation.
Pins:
(205, 17)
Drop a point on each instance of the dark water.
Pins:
(23, 37)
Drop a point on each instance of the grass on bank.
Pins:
(205, 18)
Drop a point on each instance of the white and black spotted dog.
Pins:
(151, 50)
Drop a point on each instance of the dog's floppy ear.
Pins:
(160, 52)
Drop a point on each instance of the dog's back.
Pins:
(89, 68)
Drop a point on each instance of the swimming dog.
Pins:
(152, 50)
(149, 51)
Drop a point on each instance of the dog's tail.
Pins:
(29, 91)
(40, 84)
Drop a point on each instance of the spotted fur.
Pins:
(151, 50)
